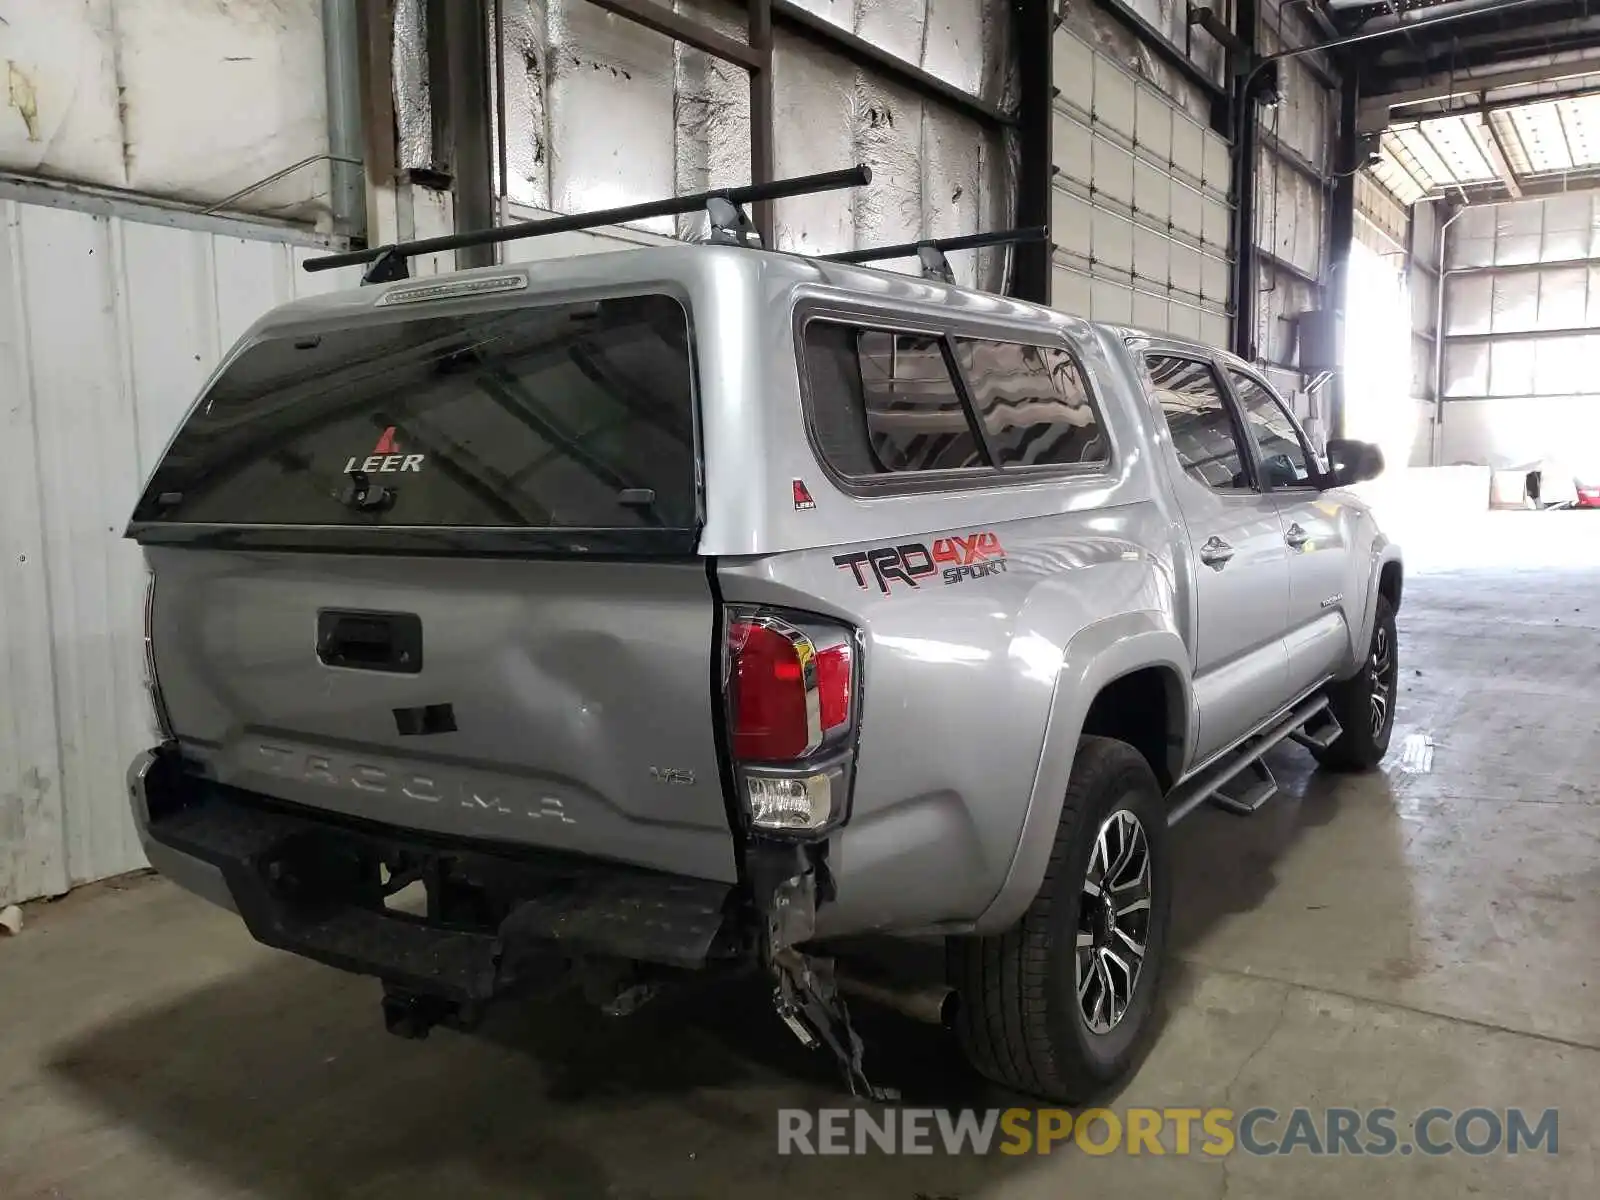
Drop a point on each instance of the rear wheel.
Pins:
(1060, 1005)
(1364, 703)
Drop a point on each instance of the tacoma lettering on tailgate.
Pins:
(335, 771)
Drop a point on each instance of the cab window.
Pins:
(1285, 462)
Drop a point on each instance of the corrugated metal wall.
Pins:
(1294, 158)
(1144, 216)
(186, 100)
(601, 112)
(111, 317)
(1140, 219)
(1522, 332)
(1422, 281)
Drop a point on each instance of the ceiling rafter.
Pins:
(1500, 160)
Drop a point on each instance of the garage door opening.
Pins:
(1377, 354)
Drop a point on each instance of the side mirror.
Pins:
(1351, 461)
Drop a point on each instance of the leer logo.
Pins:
(385, 458)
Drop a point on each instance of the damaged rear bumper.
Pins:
(316, 885)
(497, 919)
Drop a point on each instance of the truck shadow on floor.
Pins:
(1225, 864)
(279, 1079)
(1324, 833)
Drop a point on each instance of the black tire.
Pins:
(1019, 1019)
(1365, 739)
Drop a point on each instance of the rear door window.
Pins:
(567, 417)
(1204, 435)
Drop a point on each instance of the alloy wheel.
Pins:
(1381, 668)
(1113, 921)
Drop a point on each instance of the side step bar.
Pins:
(1222, 784)
(1248, 790)
(1320, 732)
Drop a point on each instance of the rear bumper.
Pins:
(308, 883)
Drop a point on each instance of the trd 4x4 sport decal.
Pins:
(958, 558)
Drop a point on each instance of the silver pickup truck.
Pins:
(689, 609)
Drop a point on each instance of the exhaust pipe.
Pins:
(932, 1003)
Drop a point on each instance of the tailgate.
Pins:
(560, 704)
(544, 676)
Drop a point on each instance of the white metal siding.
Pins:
(108, 326)
(1522, 329)
(192, 100)
(1140, 219)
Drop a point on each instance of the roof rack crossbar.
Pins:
(931, 251)
(779, 189)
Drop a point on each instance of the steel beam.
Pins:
(461, 131)
(1515, 396)
(1499, 160)
(1547, 183)
(375, 24)
(682, 29)
(1285, 267)
(1317, 10)
(803, 185)
(1409, 30)
(347, 189)
(759, 28)
(1033, 34)
(1246, 138)
(1508, 48)
(753, 56)
(1526, 335)
(1159, 45)
(1289, 155)
(1369, 114)
(1342, 225)
(791, 18)
(502, 140)
(1452, 84)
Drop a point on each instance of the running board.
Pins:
(1248, 790)
(1320, 732)
(1243, 796)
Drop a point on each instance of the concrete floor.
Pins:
(1425, 936)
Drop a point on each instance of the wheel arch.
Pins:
(1121, 709)
(1386, 578)
(1391, 582)
(1107, 671)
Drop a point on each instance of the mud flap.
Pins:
(804, 993)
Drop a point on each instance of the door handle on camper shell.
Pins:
(370, 641)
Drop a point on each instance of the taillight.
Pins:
(788, 693)
(151, 683)
(790, 683)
